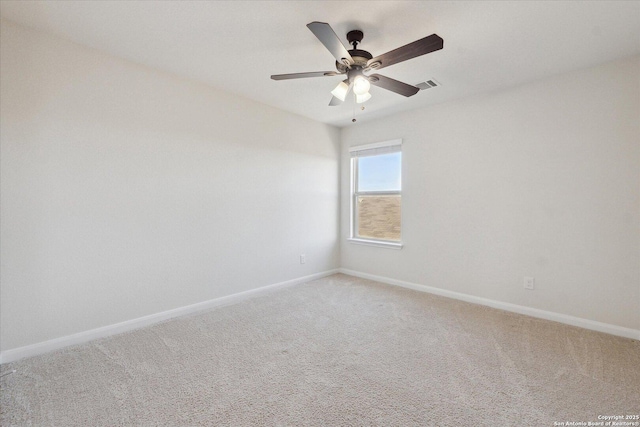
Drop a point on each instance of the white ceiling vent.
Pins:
(428, 84)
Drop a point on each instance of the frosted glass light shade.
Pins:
(340, 91)
(361, 85)
(363, 98)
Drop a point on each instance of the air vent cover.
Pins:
(428, 84)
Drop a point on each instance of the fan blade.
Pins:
(393, 85)
(412, 50)
(303, 75)
(330, 40)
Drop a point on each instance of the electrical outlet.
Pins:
(529, 283)
(303, 258)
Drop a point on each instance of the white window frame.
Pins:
(376, 148)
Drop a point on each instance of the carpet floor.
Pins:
(339, 351)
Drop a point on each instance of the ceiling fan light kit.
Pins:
(363, 98)
(355, 63)
(341, 90)
(361, 85)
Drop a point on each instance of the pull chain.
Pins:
(354, 108)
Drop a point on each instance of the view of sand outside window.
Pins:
(379, 217)
(377, 191)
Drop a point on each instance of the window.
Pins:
(376, 199)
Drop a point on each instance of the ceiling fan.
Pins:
(357, 63)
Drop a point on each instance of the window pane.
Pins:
(379, 217)
(379, 173)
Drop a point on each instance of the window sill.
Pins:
(378, 243)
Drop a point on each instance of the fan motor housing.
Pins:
(359, 56)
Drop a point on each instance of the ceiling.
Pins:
(237, 45)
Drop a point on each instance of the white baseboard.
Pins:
(86, 336)
(533, 312)
(105, 331)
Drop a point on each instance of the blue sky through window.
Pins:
(380, 173)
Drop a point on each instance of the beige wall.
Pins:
(541, 180)
(126, 191)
